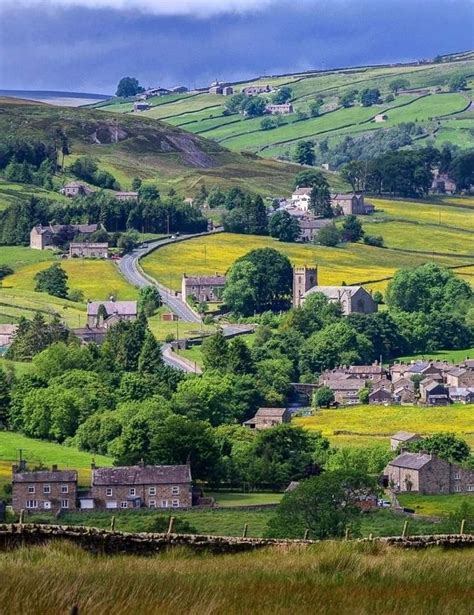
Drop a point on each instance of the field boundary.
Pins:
(112, 542)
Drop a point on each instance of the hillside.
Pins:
(130, 146)
(440, 115)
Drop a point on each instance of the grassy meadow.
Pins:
(40, 452)
(454, 356)
(366, 425)
(435, 504)
(339, 577)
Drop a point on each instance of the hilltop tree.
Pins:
(128, 86)
(398, 84)
(304, 153)
(53, 281)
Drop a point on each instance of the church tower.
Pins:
(304, 278)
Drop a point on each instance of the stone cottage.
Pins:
(206, 289)
(268, 417)
(105, 314)
(44, 490)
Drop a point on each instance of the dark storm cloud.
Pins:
(44, 45)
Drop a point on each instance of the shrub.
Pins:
(374, 240)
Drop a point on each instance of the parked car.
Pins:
(383, 504)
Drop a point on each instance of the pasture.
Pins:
(349, 263)
(60, 577)
(40, 452)
(368, 425)
(454, 356)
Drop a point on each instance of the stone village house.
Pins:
(41, 237)
(104, 314)
(44, 490)
(139, 486)
(206, 289)
(428, 475)
(268, 417)
(89, 250)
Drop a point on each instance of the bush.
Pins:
(374, 240)
(329, 236)
(267, 123)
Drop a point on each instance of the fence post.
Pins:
(170, 526)
(405, 530)
(22, 516)
(346, 535)
(463, 524)
(112, 524)
(306, 534)
(371, 536)
(244, 533)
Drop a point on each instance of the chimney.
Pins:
(141, 463)
(54, 468)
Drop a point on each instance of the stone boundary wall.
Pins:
(110, 542)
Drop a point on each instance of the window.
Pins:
(175, 490)
(108, 492)
(152, 503)
(457, 488)
(31, 488)
(457, 475)
(64, 489)
(152, 491)
(470, 487)
(46, 488)
(132, 491)
(47, 505)
(175, 503)
(64, 503)
(31, 503)
(123, 504)
(164, 503)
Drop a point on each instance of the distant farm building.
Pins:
(347, 204)
(268, 417)
(141, 106)
(126, 196)
(42, 237)
(282, 109)
(222, 89)
(7, 333)
(442, 184)
(381, 117)
(255, 90)
(74, 189)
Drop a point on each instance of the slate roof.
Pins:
(403, 436)
(122, 308)
(418, 368)
(142, 475)
(45, 476)
(411, 461)
(344, 197)
(365, 369)
(211, 280)
(349, 384)
(56, 228)
(304, 190)
(270, 412)
(334, 292)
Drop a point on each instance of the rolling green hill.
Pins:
(442, 115)
(130, 146)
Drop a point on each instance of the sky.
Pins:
(88, 45)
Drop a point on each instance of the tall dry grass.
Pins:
(326, 578)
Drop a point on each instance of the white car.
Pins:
(383, 504)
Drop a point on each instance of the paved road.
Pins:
(129, 266)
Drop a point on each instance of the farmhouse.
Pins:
(300, 198)
(381, 117)
(7, 333)
(141, 106)
(44, 490)
(351, 204)
(88, 250)
(154, 92)
(139, 486)
(268, 417)
(310, 227)
(255, 90)
(282, 109)
(443, 184)
(402, 438)
(206, 289)
(74, 189)
(221, 88)
(427, 474)
(105, 314)
(126, 196)
(42, 237)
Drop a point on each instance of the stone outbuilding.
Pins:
(104, 314)
(268, 417)
(89, 250)
(402, 438)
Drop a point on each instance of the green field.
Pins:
(161, 329)
(454, 356)
(11, 193)
(38, 452)
(433, 108)
(433, 505)
(344, 578)
(370, 425)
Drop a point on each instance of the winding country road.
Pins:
(130, 268)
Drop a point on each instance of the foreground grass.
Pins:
(38, 452)
(338, 577)
(363, 425)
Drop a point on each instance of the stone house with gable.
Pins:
(140, 486)
(74, 189)
(41, 237)
(428, 475)
(206, 289)
(460, 377)
(279, 109)
(401, 438)
(268, 417)
(105, 314)
(44, 490)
